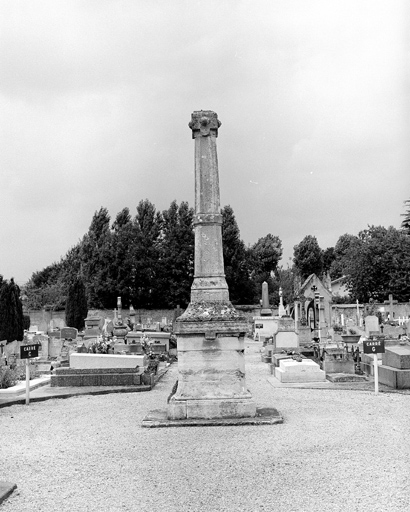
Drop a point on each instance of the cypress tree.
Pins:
(76, 306)
(11, 311)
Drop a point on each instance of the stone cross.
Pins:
(390, 302)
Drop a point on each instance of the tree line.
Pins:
(148, 260)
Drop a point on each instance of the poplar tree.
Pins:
(236, 260)
(176, 263)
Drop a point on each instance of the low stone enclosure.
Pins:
(85, 359)
(74, 377)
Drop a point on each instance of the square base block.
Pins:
(211, 377)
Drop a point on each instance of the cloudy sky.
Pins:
(96, 96)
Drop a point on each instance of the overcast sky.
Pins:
(96, 96)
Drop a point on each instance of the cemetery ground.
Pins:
(339, 449)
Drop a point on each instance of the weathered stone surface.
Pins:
(266, 310)
(305, 335)
(95, 371)
(286, 324)
(216, 311)
(69, 333)
(220, 342)
(338, 361)
(95, 379)
(264, 416)
(397, 357)
(394, 377)
(372, 324)
(286, 340)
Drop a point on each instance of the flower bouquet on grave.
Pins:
(144, 340)
(100, 346)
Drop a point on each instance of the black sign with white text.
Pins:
(373, 346)
(28, 351)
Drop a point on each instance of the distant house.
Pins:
(339, 288)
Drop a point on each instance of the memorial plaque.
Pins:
(69, 333)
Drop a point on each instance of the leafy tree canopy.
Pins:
(308, 257)
(377, 263)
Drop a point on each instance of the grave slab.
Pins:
(291, 371)
(345, 377)
(107, 360)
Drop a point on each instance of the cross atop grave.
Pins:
(391, 302)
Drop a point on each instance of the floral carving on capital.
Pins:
(204, 123)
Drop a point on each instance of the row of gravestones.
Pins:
(373, 327)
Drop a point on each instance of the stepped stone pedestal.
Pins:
(291, 371)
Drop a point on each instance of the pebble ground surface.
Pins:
(337, 450)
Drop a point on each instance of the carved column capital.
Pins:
(204, 123)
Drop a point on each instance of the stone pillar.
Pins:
(209, 278)
(210, 333)
(266, 311)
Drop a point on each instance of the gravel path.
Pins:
(336, 451)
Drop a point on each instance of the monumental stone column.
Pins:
(211, 333)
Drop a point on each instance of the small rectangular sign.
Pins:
(373, 346)
(28, 351)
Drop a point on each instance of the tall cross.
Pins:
(391, 302)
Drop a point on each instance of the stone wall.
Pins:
(43, 318)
